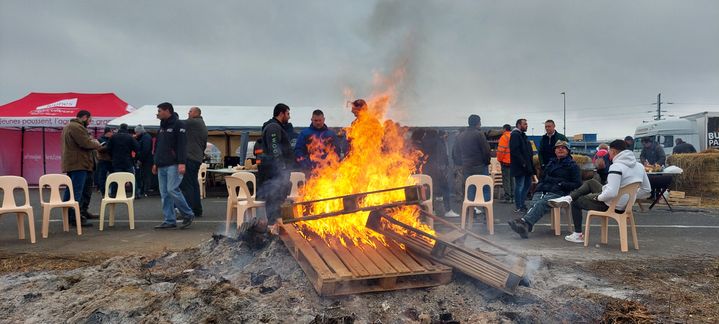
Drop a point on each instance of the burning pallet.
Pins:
(409, 260)
(345, 270)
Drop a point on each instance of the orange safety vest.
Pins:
(503, 149)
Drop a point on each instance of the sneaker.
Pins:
(186, 222)
(575, 237)
(560, 202)
(520, 211)
(165, 226)
(530, 227)
(451, 213)
(478, 211)
(518, 225)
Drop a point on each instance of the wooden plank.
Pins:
(378, 260)
(396, 263)
(329, 255)
(364, 260)
(404, 257)
(308, 252)
(349, 260)
(452, 236)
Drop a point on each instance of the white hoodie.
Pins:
(624, 170)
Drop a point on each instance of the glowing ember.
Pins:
(378, 159)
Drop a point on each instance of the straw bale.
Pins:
(700, 177)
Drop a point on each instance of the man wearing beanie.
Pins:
(561, 175)
(475, 152)
(143, 160)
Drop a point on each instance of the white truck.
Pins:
(700, 129)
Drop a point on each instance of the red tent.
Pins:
(30, 128)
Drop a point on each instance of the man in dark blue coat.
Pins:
(144, 161)
(306, 158)
(560, 176)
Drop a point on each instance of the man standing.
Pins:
(475, 154)
(144, 161)
(652, 152)
(504, 160)
(559, 178)
(521, 166)
(277, 161)
(77, 159)
(315, 137)
(170, 158)
(104, 161)
(196, 144)
(592, 196)
(546, 145)
(683, 147)
(630, 142)
(120, 146)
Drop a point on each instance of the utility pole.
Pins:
(564, 99)
(659, 103)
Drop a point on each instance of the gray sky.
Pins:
(499, 59)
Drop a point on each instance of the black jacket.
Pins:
(144, 153)
(120, 146)
(684, 148)
(474, 147)
(277, 150)
(196, 139)
(546, 147)
(520, 154)
(171, 146)
(560, 176)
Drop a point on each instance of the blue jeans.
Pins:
(476, 170)
(521, 188)
(539, 206)
(78, 179)
(171, 195)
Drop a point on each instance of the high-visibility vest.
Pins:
(503, 148)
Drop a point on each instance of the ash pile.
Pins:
(224, 280)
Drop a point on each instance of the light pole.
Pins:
(564, 100)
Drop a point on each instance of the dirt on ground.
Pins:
(223, 280)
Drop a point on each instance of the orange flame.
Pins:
(378, 158)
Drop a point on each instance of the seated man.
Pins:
(592, 196)
(560, 176)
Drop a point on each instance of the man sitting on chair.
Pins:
(624, 170)
(560, 176)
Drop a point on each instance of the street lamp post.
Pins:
(564, 100)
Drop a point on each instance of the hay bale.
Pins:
(700, 177)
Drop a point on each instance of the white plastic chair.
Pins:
(426, 180)
(122, 197)
(202, 180)
(624, 218)
(8, 184)
(479, 181)
(54, 182)
(240, 198)
(298, 180)
(557, 219)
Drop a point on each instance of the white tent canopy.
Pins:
(242, 118)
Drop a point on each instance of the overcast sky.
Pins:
(499, 59)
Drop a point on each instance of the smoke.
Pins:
(399, 28)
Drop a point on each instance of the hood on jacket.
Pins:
(170, 120)
(625, 157)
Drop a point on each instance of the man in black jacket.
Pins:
(277, 160)
(196, 144)
(120, 146)
(170, 158)
(520, 166)
(560, 176)
(144, 161)
(546, 145)
(475, 154)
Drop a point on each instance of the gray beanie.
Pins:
(139, 129)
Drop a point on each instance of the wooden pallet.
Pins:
(448, 249)
(352, 270)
